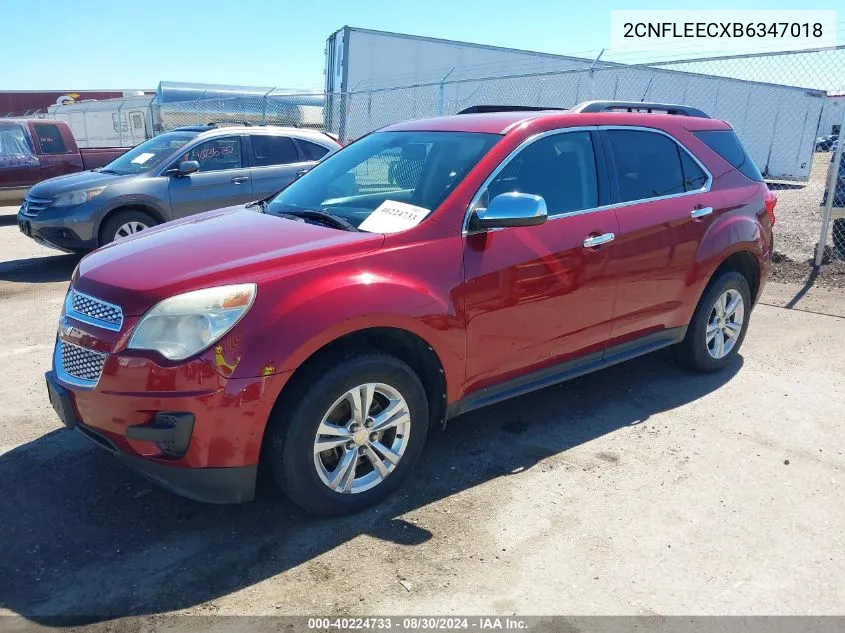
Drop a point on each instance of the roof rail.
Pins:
(639, 106)
(479, 109)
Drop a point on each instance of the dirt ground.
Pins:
(641, 490)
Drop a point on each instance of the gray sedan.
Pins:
(176, 174)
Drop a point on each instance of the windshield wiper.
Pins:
(261, 204)
(315, 214)
(103, 170)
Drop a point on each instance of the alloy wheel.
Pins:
(362, 438)
(725, 324)
(129, 228)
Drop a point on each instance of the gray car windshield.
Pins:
(414, 168)
(148, 154)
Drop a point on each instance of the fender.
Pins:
(312, 308)
(148, 204)
(738, 230)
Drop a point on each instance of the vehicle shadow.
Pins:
(39, 269)
(87, 539)
(8, 220)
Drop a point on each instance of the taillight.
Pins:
(770, 200)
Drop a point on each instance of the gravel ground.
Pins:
(798, 213)
(641, 490)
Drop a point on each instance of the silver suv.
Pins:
(179, 173)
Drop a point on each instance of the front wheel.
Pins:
(123, 224)
(354, 430)
(718, 326)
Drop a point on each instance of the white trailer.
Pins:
(375, 78)
(120, 122)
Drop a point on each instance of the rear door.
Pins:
(664, 208)
(222, 180)
(276, 161)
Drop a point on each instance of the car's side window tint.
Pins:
(273, 150)
(561, 168)
(50, 139)
(217, 154)
(311, 150)
(647, 164)
(694, 177)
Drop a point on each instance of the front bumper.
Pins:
(69, 229)
(209, 485)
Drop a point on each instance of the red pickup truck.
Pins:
(32, 150)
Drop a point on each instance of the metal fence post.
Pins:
(443, 91)
(264, 106)
(831, 193)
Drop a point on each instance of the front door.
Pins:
(536, 296)
(222, 180)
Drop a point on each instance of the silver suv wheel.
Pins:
(725, 323)
(129, 228)
(362, 438)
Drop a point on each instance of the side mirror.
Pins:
(510, 209)
(188, 167)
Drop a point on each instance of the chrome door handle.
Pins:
(597, 240)
(239, 179)
(700, 213)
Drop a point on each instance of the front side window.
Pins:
(148, 154)
(50, 139)
(412, 168)
(560, 168)
(273, 150)
(217, 154)
(647, 164)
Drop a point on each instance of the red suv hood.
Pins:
(231, 245)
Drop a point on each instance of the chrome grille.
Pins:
(94, 311)
(34, 206)
(80, 362)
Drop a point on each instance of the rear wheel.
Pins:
(123, 224)
(349, 435)
(718, 326)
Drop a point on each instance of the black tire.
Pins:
(693, 352)
(294, 424)
(108, 231)
(839, 238)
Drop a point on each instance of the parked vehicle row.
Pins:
(428, 269)
(33, 150)
(171, 176)
(827, 143)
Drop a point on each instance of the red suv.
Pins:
(429, 268)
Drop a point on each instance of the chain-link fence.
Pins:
(786, 107)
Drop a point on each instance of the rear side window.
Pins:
(50, 139)
(311, 150)
(273, 150)
(648, 164)
(560, 168)
(727, 145)
(694, 177)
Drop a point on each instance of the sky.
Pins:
(94, 44)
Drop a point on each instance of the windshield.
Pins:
(16, 147)
(148, 154)
(404, 174)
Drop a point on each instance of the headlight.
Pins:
(77, 197)
(186, 324)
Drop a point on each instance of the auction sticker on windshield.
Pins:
(392, 216)
(140, 159)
